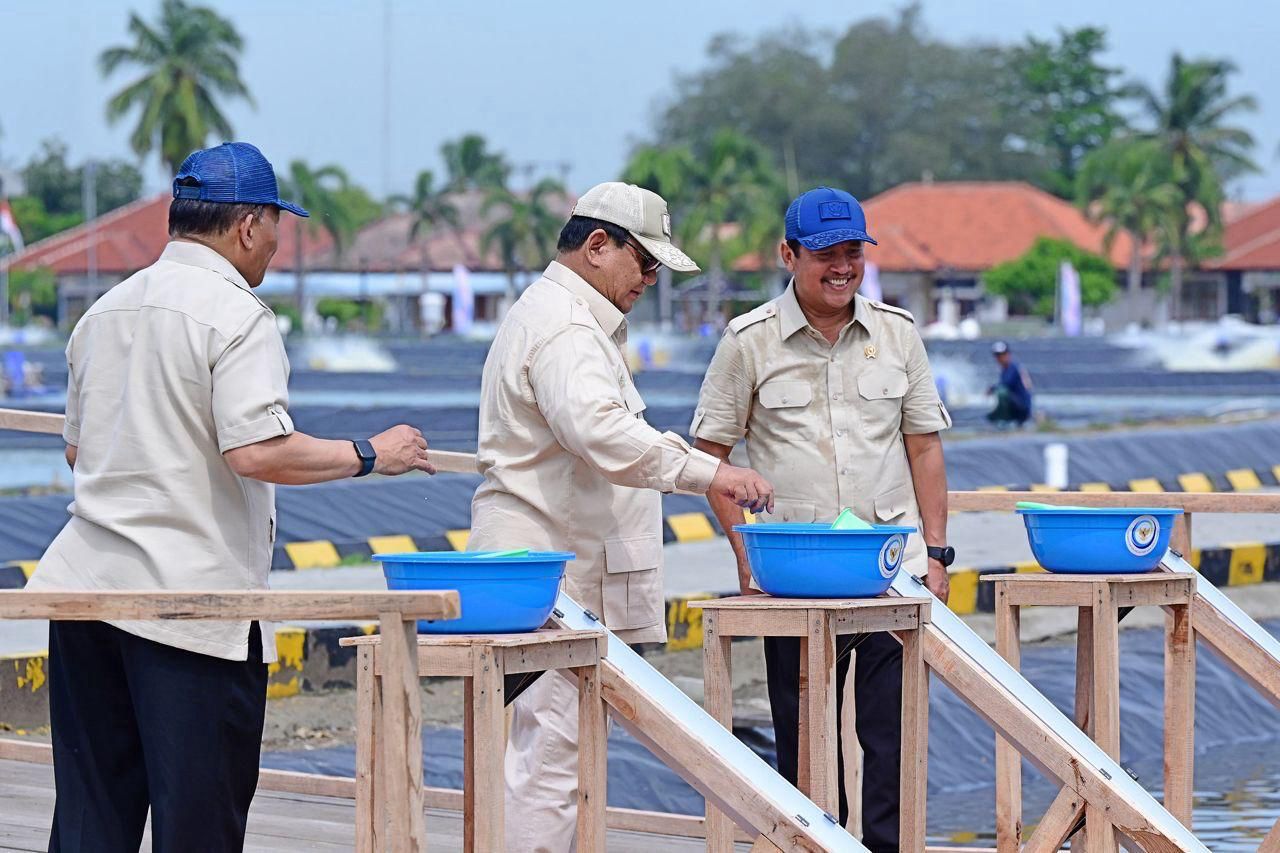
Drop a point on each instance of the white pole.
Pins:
(1055, 465)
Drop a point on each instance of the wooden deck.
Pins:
(278, 822)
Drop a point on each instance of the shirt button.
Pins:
(844, 470)
(839, 433)
(835, 396)
(833, 358)
(886, 391)
(784, 398)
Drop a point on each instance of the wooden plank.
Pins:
(1237, 649)
(1179, 591)
(1271, 844)
(804, 605)
(1084, 671)
(401, 736)
(1057, 824)
(275, 605)
(367, 711)
(1008, 761)
(24, 421)
(486, 750)
(468, 764)
(914, 785)
(1099, 832)
(717, 693)
(1189, 502)
(764, 845)
(498, 641)
(818, 758)
(1179, 712)
(593, 771)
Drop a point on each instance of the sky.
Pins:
(547, 82)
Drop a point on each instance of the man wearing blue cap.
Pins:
(177, 429)
(834, 396)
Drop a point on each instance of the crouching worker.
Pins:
(177, 427)
(569, 464)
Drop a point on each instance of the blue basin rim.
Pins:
(463, 557)
(1107, 510)
(801, 529)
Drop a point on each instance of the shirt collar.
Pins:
(201, 256)
(792, 318)
(611, 320)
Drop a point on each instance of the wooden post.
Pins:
(1055, 826)
(1105, 709)
(1084, 670)
(1008, 760)
(818, 759)
(368, 709)
(913, 789)
(592, 761)
(402, 735)
(1180, 539)
(717, 700)
(1179, 711)
(488, 831)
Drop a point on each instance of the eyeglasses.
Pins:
(648, 263)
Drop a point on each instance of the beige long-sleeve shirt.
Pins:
(568, 460)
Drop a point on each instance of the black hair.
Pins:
(794, 246)
(576, 231)
(195, 218)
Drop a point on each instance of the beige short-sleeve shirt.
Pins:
(170, 368)
(824, 422)
(569, 463)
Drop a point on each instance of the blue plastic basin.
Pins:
(1111, 540)
(498, 595)
(813, 561)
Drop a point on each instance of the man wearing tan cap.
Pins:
(569, 464)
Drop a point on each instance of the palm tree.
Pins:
(1127, 185)
(1202, 152)
(471, 165)
(190, 58)
(524, 233)
(431, 208)
(320, 192)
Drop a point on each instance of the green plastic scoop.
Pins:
(848, 521)
(514, 552)
(1034, 505)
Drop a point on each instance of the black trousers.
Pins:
(138, 725)
(877, 690)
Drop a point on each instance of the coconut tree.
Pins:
(1202, 150)
(321, 192)
(524, 227)
(432, 208)
(189, 59)
(471, 165)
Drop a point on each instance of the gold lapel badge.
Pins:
(869, 351)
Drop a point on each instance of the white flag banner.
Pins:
(463, 312)
(1071, 310)
(870, 287)
(9, 227)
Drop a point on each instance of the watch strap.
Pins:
(943, 554)
(364, 450)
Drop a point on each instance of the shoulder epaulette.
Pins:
(892, 309)
(755, 315)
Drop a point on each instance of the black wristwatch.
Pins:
(945, 555)
(367, 456)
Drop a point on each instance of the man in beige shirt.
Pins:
(835, 398)
(569, 464)
(177, 427)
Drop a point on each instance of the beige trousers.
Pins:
(541, 773)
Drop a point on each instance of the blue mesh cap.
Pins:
(823, 217)
(232, 173)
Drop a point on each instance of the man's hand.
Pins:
(744, 580)
(744, 487)
(401, 448)
(937, 580)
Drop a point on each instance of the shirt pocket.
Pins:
(892, 504)
(632, 400)
(789, 413)
(880, 392)
(632, 584)
(785, 509)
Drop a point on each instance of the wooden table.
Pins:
(817, 622)
(482, 661)
(1099, 598)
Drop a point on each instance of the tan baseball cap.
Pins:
(642, 212)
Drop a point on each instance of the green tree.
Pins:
(1202, 150)
(1127, 186)
(59, 186)
(432, 209)
(523, 229)
(1030, 282)
(190, 59)
(36, 223)
(321, 192)
(32, 292)
(1070, 98)
(471, 165)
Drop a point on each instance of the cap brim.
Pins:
(292, 208)
(830, 238)
(667, 254)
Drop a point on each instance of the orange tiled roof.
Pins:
(1252, 241)
(972, 226)
(132, 237)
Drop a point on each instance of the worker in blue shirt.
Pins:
(1012, 390)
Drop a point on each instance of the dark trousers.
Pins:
(877, 690)
(138, 725)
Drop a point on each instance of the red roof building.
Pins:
(1250, 262)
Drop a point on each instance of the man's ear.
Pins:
(788, 256)
(595, 245)
(247, 229)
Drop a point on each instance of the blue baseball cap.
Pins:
(823, 217)
(232, 173)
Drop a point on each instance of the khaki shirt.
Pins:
(824, 422)
(170, 368)
(569, 463)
